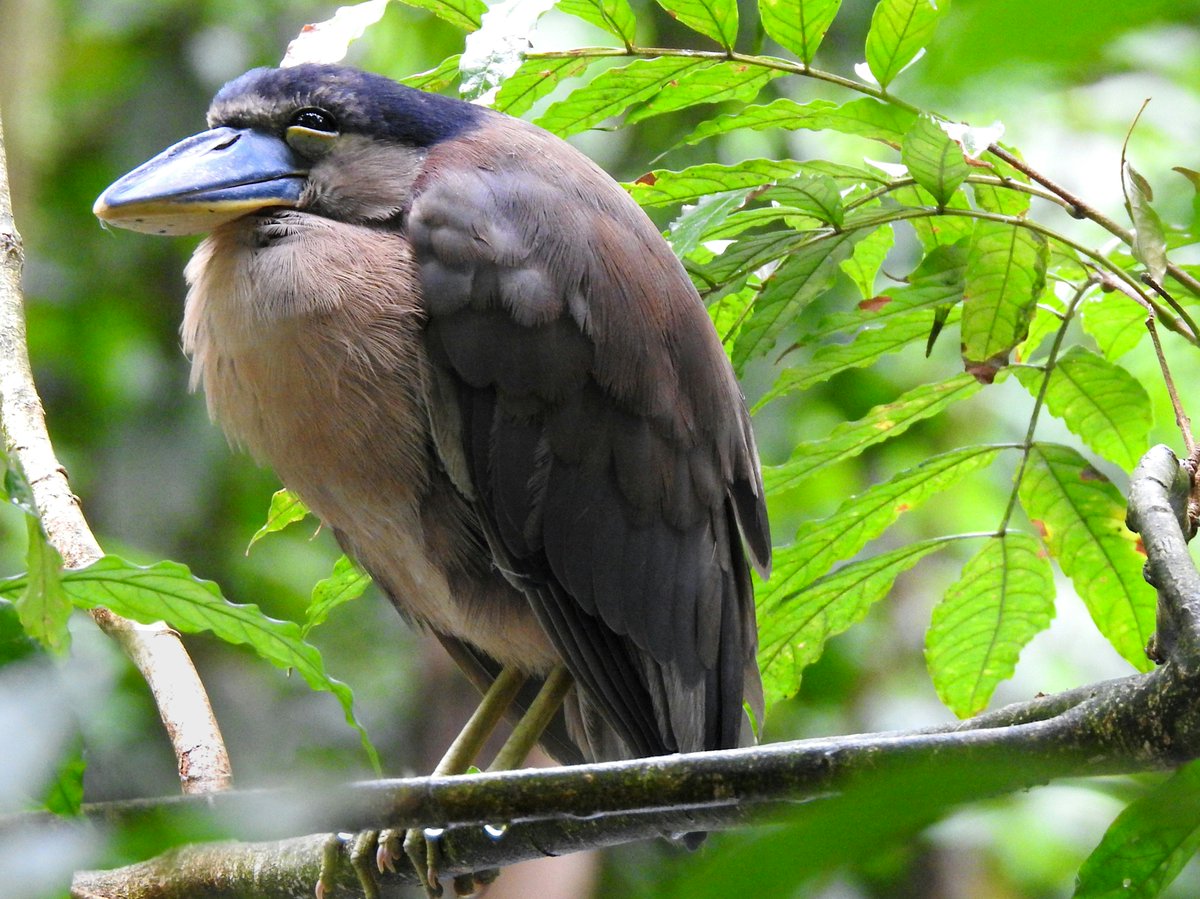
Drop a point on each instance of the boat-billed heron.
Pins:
(472, 355)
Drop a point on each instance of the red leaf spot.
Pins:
(649, 179)
(875, 303)
(1041, 528)
(1090, 474)
(1140, 547)
(307, 28)
(903, 507)
(673, 83)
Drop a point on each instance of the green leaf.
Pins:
(1104, 405)
(729, 312)
(346, 583)
(807, 272)
(1117, 323)
(1047, 319)
(940, 230)
(902, 330)
(1002, 600)
(1006, 271)
(822, 543)
(864, 118)
(693, 224)
(717, 19)
(64, 795)
(799, 25)
(1002, 200)
(614, 16)
(794, 626)
(1148, 844)
(664, 188)
(850, 438)
(900, 29)
(535, 79)
(614, 90)
(937, 281)
(1081, 516)
(714, 83)
(933, 159)
(465, 14)
(750, 253)
(43, 606)
(863, 265)
(15, 642)
(169, 592)
(816, 195)
(286, 508)
(442, 76)
(1150, 240)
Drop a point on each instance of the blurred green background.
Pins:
(90, 89)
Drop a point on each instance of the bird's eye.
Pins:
(314, 120)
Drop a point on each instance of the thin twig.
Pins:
(1181, 418)
(155, 649)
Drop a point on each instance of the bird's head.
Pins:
(329, 140)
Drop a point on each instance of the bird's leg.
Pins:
(423, 851)
(512, 755)
(534, 722)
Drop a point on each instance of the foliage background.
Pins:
(90, 89)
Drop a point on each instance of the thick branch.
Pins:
(1139, 723)
(155, 649)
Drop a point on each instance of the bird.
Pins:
(478, 362)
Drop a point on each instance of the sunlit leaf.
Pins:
(286, 508)
(864, 117)
(663, 187)
(496, 52)
(933, 159)
(806, 272)
(1117, 323)
(1081, 516)
(1103, 404)
(863, 265)
(714, 83)
(717, 19)
(1002, 600)
(1006, 271)
(1150, 239)
(1148, 844)
(43, 606)
(465, 14)
(899, 331)
(614, 90)
(799, 25)
(817, 195)
(937, 230)
(884, 422)
(1047, 319)
(328, 41)
(794, 626)
(346, 583)
(535, 79)
(822, 543)
(900, 29)
(614, 16)
(689, 229)
(438, 78)
(169, 592)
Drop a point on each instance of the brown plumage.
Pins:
(473, 356)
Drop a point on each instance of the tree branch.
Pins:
(1139, 723)
(155, 649)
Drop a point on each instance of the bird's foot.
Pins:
(362, 847)
(424, 851)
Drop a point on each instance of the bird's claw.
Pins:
(361, 847)
(423, 851)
